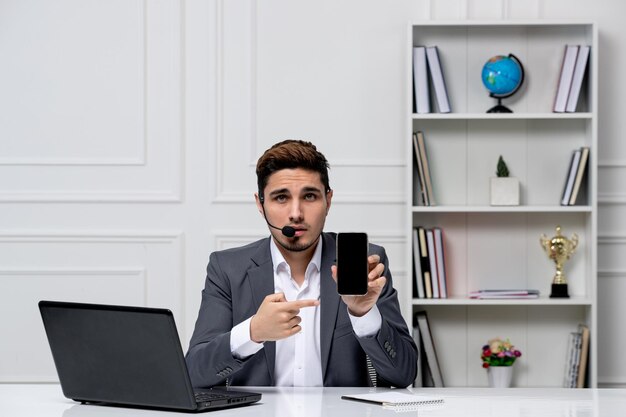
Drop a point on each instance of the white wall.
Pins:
(129, 130)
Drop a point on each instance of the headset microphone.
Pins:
(287, 231)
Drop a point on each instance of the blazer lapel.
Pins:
(261, 279)
(329, 300)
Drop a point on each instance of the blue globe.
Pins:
(502, 75)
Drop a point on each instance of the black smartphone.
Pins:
(352, 267)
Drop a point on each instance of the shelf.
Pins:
(469, 302)
(499, 246)
(502, 116)
(501, 209)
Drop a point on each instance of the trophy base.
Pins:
(559, 291)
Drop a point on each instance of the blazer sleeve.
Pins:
(392, 351)
(209, 359)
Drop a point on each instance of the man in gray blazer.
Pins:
(270, 311)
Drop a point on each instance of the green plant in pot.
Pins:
(504, 188)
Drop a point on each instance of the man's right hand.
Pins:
(277, 318)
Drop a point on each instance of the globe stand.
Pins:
(499, 108)
(489, 73)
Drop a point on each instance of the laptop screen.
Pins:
(116, 354)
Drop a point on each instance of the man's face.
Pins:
(296, 198)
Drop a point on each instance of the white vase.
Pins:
(500, 376)
(504, 191)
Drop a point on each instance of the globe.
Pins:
(502, 76)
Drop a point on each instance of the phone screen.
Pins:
(352, 267)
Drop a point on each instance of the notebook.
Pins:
(396, 400)
(129, 356)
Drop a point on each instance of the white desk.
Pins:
(26, 400)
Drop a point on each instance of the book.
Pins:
(425, 263)
(439, 83)
(419, 378)
(573, 357)
(441, 265)
(421, 143)
(571, 178)
(420, 80)
(417, 265)
(432, 258)
(565, 80)
(393, 399)
(420, 171)
(577, 78)
(504, 294)
(580, 172)
(429, 348)
(584, 355)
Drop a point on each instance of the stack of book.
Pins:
(429, 265)
(573, 69)
(428, 370)
(426, 61)
(575, 175)
(423, 170)
(576, 359)
(504, 294)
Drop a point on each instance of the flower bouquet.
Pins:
(499, 352)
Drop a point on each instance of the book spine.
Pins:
(569, 182)
(425, 264)
(438, 80)
(565, 80)
(417, 263)
(577, 78)
(432, 257)
(429, 348)
(420, 171)
(424, 156)
(441, 264)
(582, 165)
(420, 80)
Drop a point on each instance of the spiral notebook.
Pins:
(396, 400)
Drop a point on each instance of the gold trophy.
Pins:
(559, 249)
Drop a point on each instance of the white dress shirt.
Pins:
(298, 358)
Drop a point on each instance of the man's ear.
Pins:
(259, 204)
(329, 198)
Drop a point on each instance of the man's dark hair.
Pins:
(291, 154)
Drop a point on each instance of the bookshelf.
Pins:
(498, 247)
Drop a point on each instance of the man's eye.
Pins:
(310, 197)
(281, 198)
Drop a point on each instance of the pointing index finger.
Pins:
(298, 304)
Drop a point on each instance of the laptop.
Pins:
(128, 356)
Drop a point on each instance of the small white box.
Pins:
(504, 191)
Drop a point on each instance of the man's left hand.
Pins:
(359, 305)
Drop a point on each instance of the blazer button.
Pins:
(386, 344)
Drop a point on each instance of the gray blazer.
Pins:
(237, 282)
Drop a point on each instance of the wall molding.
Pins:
(104, 197)
(91, 236)
(113, 195)
(140, 137)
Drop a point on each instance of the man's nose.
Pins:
(295, 211)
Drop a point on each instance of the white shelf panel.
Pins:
(501, 209)
(469, 302)
(502, 116)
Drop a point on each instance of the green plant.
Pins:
(502, 170)
(498, 352)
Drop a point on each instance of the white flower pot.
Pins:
(504, 191)
(500, 376)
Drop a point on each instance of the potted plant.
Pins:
(504, 189)
(498, 357)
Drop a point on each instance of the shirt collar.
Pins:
(279, 262)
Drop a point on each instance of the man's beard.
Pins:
(297, 247)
